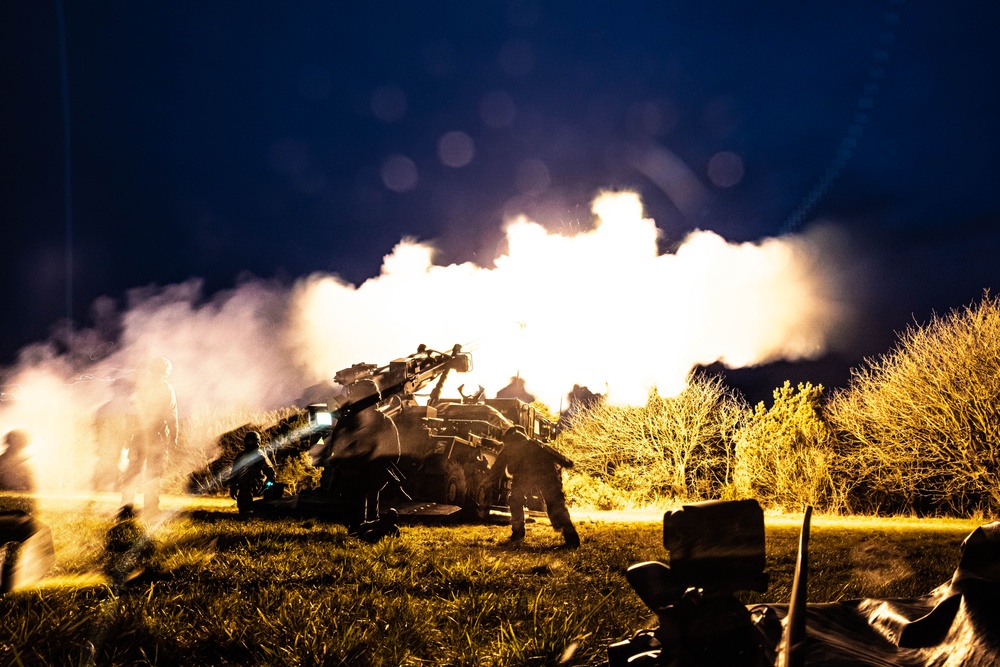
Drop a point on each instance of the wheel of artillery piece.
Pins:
(454, 484)
(477, 506)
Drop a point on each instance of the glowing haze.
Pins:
(602, 308)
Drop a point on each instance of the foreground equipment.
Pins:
(26, 550)
(717, 548)
(380, 448)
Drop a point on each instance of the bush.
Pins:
(298, 473)
(676, 448)
(784, 453)
(921, 425)
(582, 490)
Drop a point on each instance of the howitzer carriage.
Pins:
(380, 446)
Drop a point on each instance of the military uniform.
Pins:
(251, 470)
(115, 427)
(532, 467)
(156, 421)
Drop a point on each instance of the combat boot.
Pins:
(516, 536)
(571, 537)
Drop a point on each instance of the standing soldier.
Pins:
(114, 430)
(156, 435)
(532, 466)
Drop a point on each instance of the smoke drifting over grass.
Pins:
(601, 308)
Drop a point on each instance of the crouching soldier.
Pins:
(532, 466)
(250, 473)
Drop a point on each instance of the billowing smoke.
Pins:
(602, 308)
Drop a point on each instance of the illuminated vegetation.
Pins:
(704, 443)
(784, 453)
(916, 432)
(920, 425)
(675, 448)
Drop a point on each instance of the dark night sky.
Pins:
(282, 138)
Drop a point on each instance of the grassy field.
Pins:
(223, 590)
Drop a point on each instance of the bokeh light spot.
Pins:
(389, 103)
(497, 109)
(532, 177)
(456, 149)
(399, 173)
(725, 169)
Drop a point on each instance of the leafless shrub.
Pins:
(676, 448)
(920, 425)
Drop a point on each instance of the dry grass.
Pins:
(222, 590)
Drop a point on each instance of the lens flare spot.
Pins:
(456, 149)
(725, 169)
(399, 173)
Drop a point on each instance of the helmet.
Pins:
(17, 440)
(251, 440)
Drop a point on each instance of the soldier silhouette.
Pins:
(155, 407)
(115, 427)
(15, 467)
(532, 466)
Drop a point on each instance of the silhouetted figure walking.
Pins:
(156, 419)
(115, 427)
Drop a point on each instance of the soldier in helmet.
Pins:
(531, 467)
(250, 472)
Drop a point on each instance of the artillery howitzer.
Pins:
(717, 549)
(378, 445)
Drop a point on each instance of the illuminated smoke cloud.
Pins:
(229, 354)
(602, 308)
